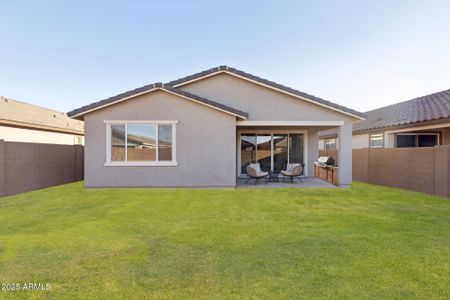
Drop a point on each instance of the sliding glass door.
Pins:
(248, 150)
(280, 152)
(272, 151)
(263, 151)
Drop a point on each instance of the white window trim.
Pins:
(417, 134)
(370, 140)
(109, 163)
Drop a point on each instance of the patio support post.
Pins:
(345, 154)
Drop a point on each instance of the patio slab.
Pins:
(308, 182)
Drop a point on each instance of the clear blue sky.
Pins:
(361, 54)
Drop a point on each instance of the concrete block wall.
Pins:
(30, 166)
(424, 170)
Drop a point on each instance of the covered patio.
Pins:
(276, 144)
(308, 182)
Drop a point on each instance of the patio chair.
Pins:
(254, 172)
(292, 171)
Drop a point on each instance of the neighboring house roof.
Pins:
(267, 83)
(422, 109)
(17, 113)
(80, 112)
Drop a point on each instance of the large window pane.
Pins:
(164, 142)
(280, 152)
(141, 142)
(428, 140)
(117, 142)
(263, 151)
(296, 148)
(248, 151)
(404, 141)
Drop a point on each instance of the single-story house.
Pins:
(420, 122)
(203, 129)
(23, 122)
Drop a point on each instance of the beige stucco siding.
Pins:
(361, 141)
(260, 102)
(205, 144)
(15, 134)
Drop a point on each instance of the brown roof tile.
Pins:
(426, 108)
(13, 112)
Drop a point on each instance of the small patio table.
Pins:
(273, 176)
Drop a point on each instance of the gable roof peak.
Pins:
(267, 83)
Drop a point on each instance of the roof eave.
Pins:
(80, 115)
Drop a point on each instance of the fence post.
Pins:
(2, 168)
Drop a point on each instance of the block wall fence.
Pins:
(424, 170)
(31, 166)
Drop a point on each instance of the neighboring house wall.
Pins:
(360, 141)
(15, 134)
(321, 144)
(205, 144)
(446, 136)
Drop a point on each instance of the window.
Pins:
(376, 141)
(140, 143)
(405, 140)
(330, 144)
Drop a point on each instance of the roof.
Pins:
(422, 109)
(268, 83)
(80, 112)
(172, 87)
(17, 113)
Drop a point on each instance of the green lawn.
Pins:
(367, 242)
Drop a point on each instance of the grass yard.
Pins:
(367, 242)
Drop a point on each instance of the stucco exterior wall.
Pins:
(205, 144)
(265, 104)
(14, 134)
(360, 141)
(313, 149)
(321, 144)
(260, 102)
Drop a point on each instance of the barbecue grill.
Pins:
(324, 161)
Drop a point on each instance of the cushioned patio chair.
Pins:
(292, 171)
(254, 172)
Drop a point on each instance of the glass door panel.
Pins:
(280, 152)
(271, 152)
(296, 148)
(248, 151)
(263, 151)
